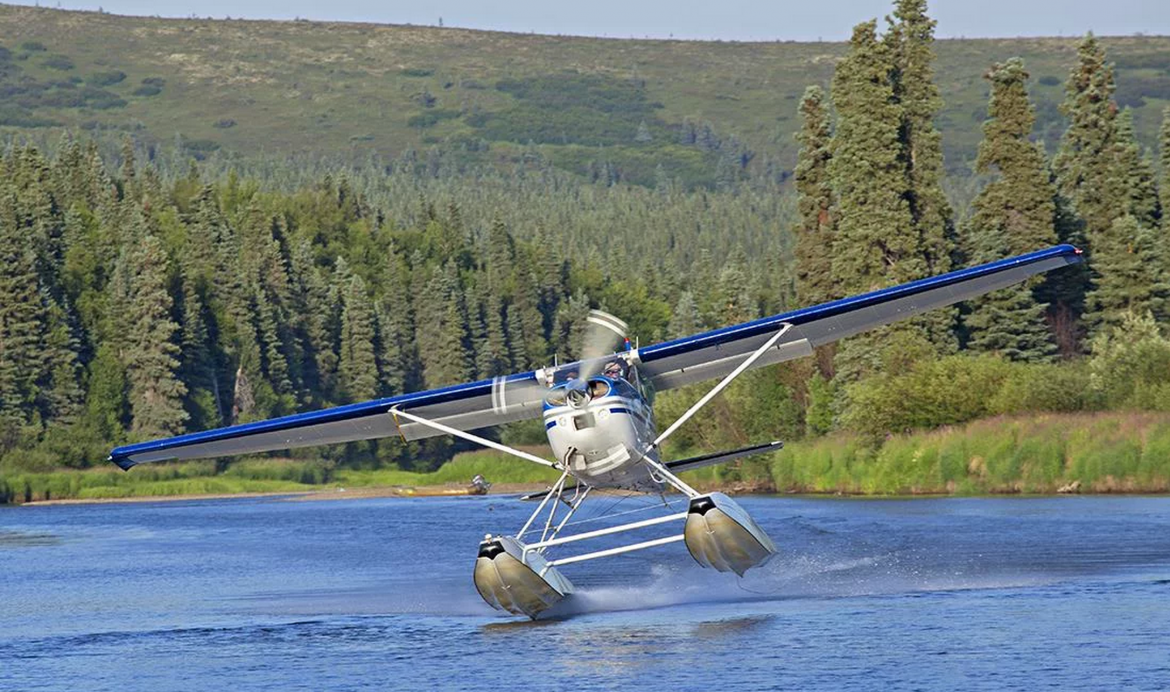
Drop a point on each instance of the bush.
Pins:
(950, 390)
(33, 47)
(1130, 365)
(107, 78)
(147, 90)
(431, 117)
(1060, 388)
(15, 116)
(154, 82)
(58, 62)
(417, 72)
(224, 124)
(571, 108)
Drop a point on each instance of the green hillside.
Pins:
(348, 89)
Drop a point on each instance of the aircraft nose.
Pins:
(577, 393)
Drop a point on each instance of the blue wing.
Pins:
(716, 353)
(670, 364)
(465, 406)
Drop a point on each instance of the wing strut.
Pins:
(747, 363)
(399, 413)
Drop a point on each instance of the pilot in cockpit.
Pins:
(615, 369)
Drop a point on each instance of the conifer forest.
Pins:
(148, 292)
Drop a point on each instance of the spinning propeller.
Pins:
(603, 336)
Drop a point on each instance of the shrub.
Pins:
(154, 82)
(33, 46)
(946, 391)
(1060, 388)
(431, 117)
(202, 145)
(1049, 80)
(1130, 364)
(15, 116)
(58, 62)
(147, 90)
(107, 78)
(417, 72)
(224, 124)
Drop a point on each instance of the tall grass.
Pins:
(253, 476)
(1104, 452)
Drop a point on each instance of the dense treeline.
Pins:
(142, 295)
(141, 301)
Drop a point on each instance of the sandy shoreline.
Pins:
(335, 493)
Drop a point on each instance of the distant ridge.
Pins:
(346, 89)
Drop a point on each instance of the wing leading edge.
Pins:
(666, 365)
(716, 353)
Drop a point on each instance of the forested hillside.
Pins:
(707, 113)
(144, 292)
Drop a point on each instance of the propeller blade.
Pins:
(604, 334)
(509, 397)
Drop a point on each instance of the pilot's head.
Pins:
(613, 369)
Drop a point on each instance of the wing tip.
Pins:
(125, 463)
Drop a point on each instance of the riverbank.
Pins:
(1036, 454)
(152, 482)
(317, 494)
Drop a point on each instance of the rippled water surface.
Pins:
(1057, 593)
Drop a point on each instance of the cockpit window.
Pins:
(598, 388)
(555, 398)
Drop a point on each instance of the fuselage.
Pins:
(600, 427)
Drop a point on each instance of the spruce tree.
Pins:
(149, 351)
(22, 361)
(443, 343)
(61, 388)
(1136, 173)
(106, 411)
(311, 302)
(912, 36)
(1128, 275)
(684, 320)
(204, 402)
(397, 355)
(733, 293)
(1164, 187)
(1164, 190)
(814, 230)
(1013, 214)
(493, 356)
(526, 321)
(874, 241)
(1017, 205)
(1009, 322)
(271, 344)
(1085, 163)
(357, 371)
(572, 326)
(876, 244)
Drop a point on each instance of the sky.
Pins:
(737, 20)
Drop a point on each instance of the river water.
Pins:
(263, 593)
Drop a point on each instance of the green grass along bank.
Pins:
(1095, 453)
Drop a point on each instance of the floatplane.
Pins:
(600, 425)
